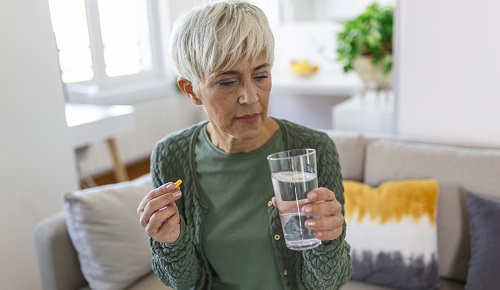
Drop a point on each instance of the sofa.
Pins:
(97, 221)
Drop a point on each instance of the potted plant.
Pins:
(365, 46)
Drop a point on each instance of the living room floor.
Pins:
(134, 170)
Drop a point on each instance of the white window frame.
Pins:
(126, 89)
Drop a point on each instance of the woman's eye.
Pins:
(226, 83)
(261, 77)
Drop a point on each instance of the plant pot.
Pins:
(372, 75)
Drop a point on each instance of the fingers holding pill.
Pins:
(158, 213)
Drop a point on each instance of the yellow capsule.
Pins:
(178, 183)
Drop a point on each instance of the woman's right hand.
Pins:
(159, 215)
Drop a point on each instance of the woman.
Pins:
(222, 231)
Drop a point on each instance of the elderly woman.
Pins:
(222, 230)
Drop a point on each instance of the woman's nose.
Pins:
(248, 94)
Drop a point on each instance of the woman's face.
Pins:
(236, 100)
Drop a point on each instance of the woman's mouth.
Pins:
(248, 119)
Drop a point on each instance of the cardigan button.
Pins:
(277, 237)
(285, 272)
(270, 203)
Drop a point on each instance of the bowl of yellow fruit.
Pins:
(303, 68)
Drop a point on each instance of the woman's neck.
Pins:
(232, 145)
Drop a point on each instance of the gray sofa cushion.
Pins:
(57, 258)
(150, 281)
(351, 150)
(356, 285)
(458, 170)
(444, 285)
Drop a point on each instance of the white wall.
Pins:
(36, 160)
(449, 77)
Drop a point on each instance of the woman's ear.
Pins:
(187, 88)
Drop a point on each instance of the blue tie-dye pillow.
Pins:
(392, 232)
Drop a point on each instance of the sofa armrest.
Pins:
(57, 258)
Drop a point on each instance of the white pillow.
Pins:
(112, 247)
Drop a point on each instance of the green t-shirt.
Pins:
(236, 238)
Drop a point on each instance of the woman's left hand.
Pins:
(324, 205)
(328, 212)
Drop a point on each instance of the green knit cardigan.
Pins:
(182, 264)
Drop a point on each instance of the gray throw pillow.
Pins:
(484, 264)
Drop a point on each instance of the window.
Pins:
(110, 48)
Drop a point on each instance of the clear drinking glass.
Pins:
(294, 174)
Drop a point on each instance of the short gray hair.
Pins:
(215, 36)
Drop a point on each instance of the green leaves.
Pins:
(369, 34)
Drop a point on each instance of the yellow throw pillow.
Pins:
(392, 232)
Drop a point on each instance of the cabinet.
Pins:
(371, 113)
